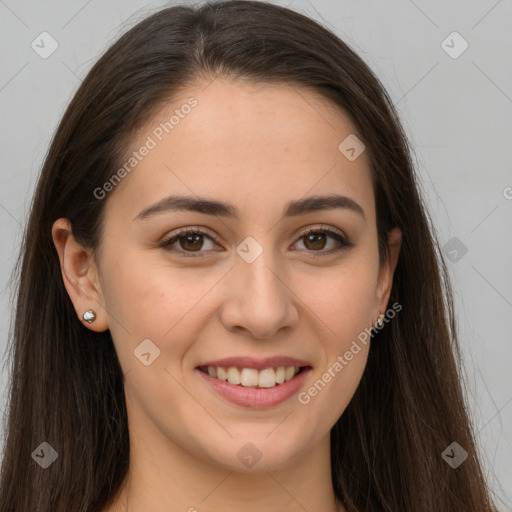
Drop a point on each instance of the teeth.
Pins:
(280, 375)
(250, 377)
(267, 378)
(289, 373)
(233, 375)
(222, 374)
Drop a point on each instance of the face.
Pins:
(258, 284)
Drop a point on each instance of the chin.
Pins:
(258, 449)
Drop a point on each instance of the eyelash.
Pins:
(342, 241)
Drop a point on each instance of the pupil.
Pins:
(194, 239)
(311, 238)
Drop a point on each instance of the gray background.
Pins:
(456, 111)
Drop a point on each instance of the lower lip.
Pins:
(256, 397)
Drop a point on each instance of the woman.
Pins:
(230, 294)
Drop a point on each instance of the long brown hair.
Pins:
(66, 384)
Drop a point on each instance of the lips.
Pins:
(254, 382)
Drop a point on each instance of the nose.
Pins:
(259, 298)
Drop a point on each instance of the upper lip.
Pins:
(258, 364)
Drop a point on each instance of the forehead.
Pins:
(243, 143)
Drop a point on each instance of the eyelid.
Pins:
(343, 241)
(193, 230)
(338, 235)
(323, 228)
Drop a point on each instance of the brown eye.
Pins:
(188, 242)
(191, 242)
(315, 240)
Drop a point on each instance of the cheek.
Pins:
(148, 298)
(145, 293)
(342, 303)
(341, 298)
(336, 386)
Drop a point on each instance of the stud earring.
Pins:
(380, 321)
(89, 316)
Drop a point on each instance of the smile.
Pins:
(251, 377)
(252, 388)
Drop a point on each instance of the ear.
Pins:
(80, 275)
(386, 271)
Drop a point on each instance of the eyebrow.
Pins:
(213, 207)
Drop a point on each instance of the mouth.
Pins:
(255, 383)
(252, 377)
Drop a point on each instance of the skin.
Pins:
(256, 147)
